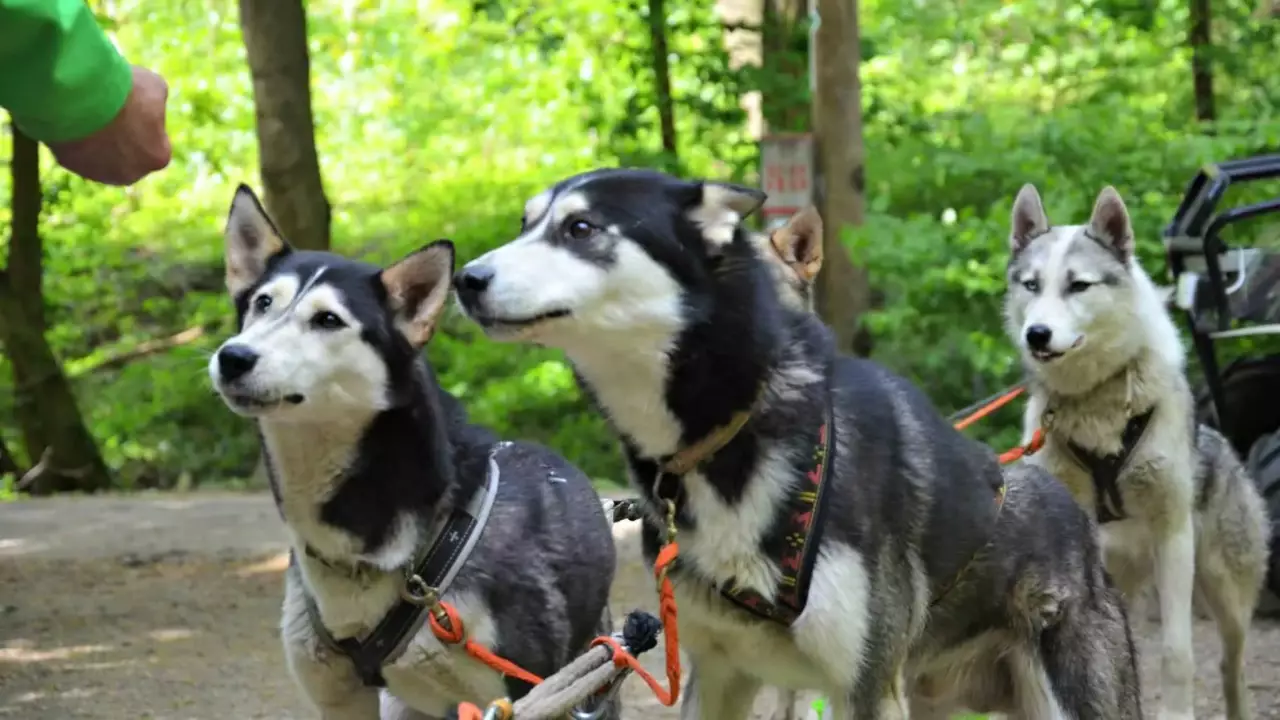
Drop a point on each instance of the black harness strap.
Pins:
(794, 541)
(1106, 469)
(445, 556)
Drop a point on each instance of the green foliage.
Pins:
(438, 120)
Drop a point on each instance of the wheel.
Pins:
(1246, 385)
(1263, 464)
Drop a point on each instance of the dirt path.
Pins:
(165, 607)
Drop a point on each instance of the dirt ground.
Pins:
(165, 607)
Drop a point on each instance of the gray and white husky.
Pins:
(1107, 385)
(936, 580)
(370, 463)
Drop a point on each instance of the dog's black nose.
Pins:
(471, 281)
(1038, 337)
(234, 361)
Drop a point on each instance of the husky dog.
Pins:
(923, 571)
(369, 457)
(793, 254)
(1107, 387)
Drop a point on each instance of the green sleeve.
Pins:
(60, 76)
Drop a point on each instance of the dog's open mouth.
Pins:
(1047, 355)
(497, 322)
(252, 403)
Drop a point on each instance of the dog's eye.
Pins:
(326, 320)
(579, 229)
(1031, 285)
(261, 303)
(1078, 286)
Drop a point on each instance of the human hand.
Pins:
(133, 145)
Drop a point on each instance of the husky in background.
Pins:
(1108, 388)
(933, 575)
(368, 457)
(793, 254)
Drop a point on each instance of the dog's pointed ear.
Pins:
(718, 208)
(1029, 219)
(799, 243)
(1110, 224)
(418, 287)
(251, 241)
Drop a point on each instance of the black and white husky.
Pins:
(1106, 372)
(380, 479)
(921, 577)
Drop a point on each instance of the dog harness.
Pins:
(433, 570)
(793, 541)
(1106, 469)
(793, 544)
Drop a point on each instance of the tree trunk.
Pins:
(662, 79)
(1199, 38)
(843, 293)
(275, 41)
(44, 403)
(785, 57)
(8, 463)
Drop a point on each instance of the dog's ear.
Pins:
(1029, 219)
(251, 241)
(717, 208)
(418, 287)
(1110, 224)
(799, 243)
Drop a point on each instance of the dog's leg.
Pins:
(1232, 613)
(328, 679)
(718, 693)
(1081, 662)
(785, 709)
(1175, 575)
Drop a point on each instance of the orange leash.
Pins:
(667, 609)
(454, 634)
(990, 407)
(1017, 453)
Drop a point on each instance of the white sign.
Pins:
(786, 174)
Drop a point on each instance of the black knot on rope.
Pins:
(640, 631)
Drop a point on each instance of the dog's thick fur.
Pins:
(367, 454)
(1112, 351)
(922, 587)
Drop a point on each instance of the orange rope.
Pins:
(1037, 442)
(990, 408)
(1017, 453)
(453, 634)
(666, 607)
(667, 612)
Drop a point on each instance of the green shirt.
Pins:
(60, 77)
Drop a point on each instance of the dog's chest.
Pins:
(1147, 482)
(726, 543)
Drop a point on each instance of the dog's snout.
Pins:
(1038, 337)
(235, 361)
(471, 281)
